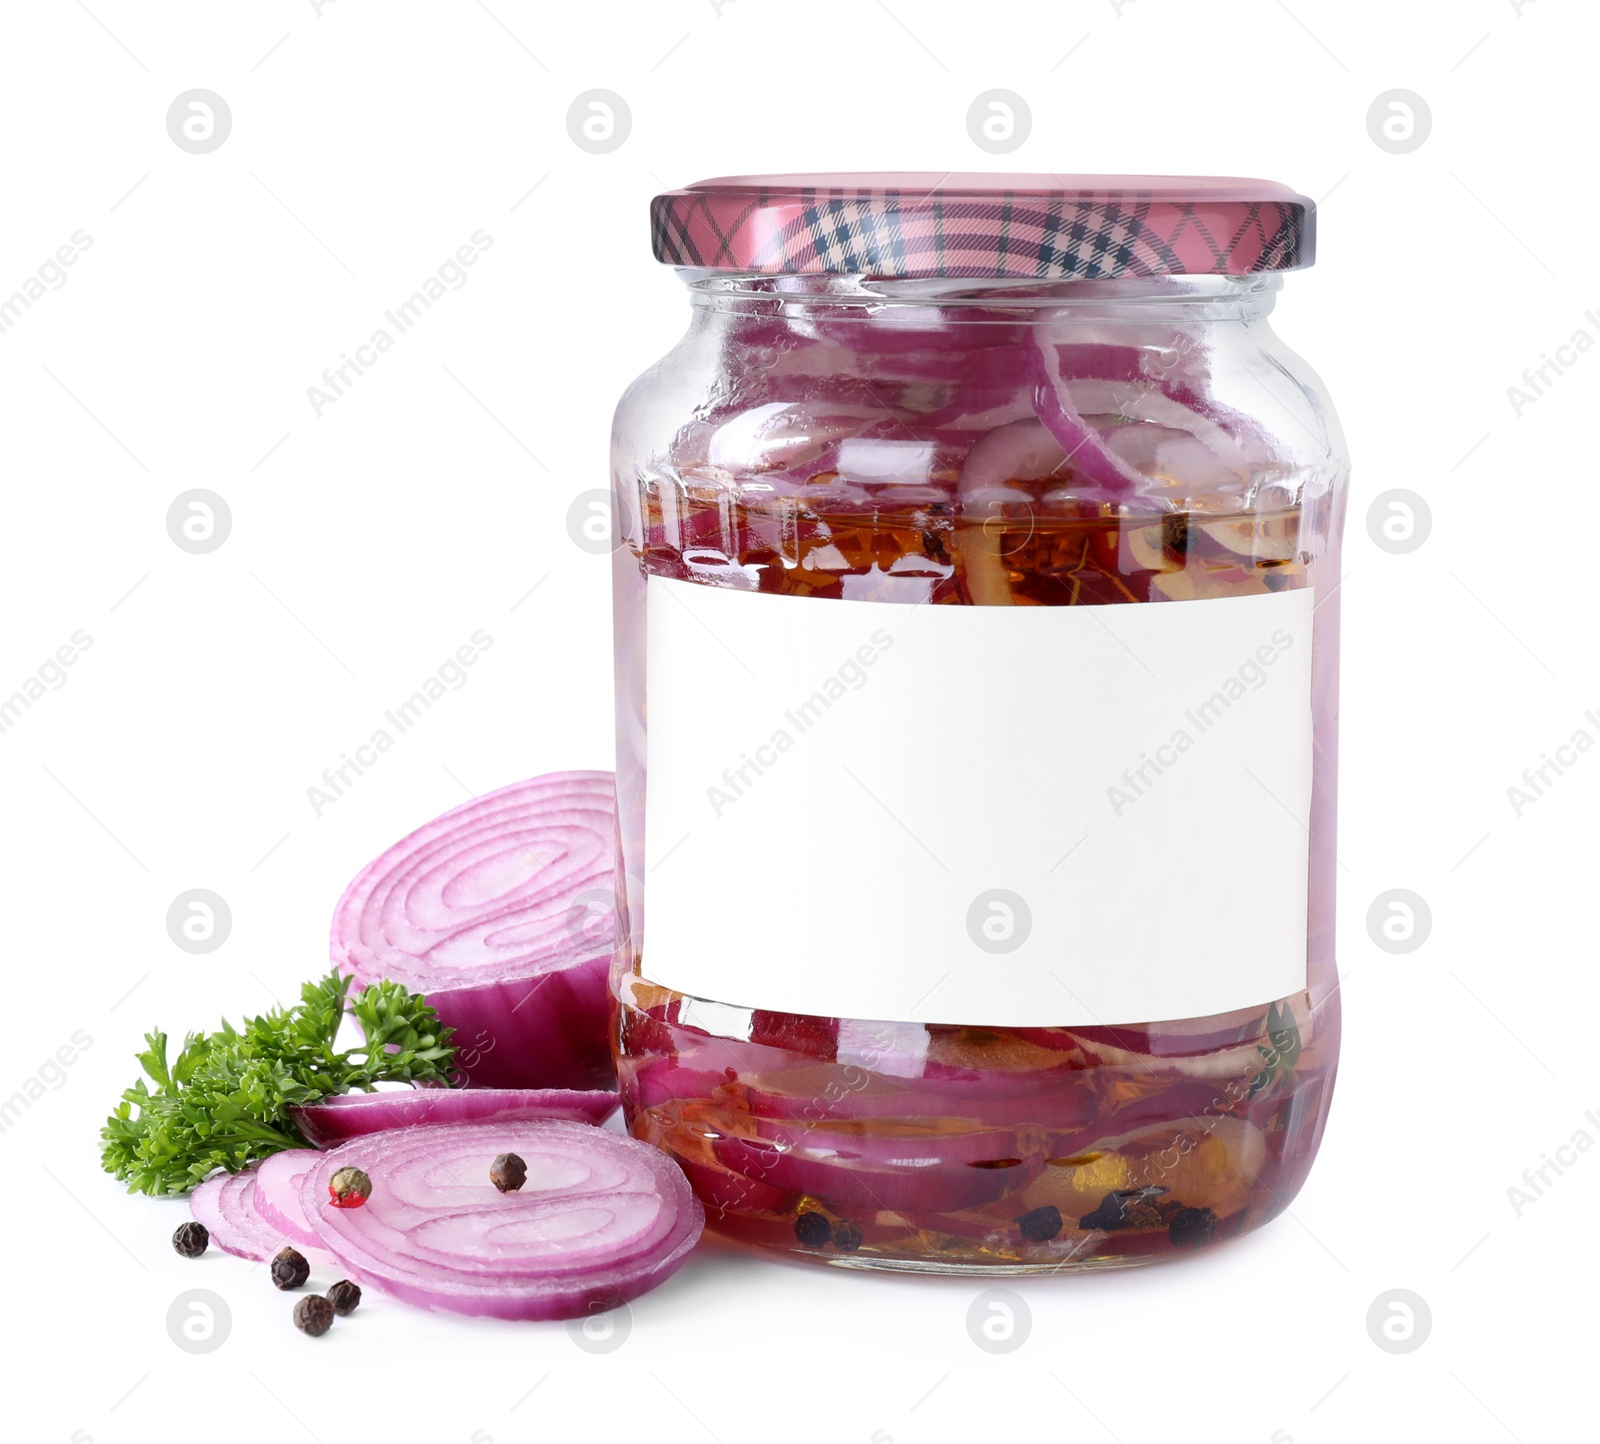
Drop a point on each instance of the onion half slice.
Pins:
(502, 913)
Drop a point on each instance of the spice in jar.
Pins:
(813, 1229)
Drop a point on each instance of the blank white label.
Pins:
(1001, 816)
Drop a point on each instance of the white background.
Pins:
(367, 544)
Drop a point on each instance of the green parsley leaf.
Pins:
(223, 1101)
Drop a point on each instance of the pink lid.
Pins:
(1023, 227)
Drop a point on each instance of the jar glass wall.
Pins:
(917, 443)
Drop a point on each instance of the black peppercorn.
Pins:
(846, 1235)
(344, 1296)
(290, 1269)
(813, 1229)
(1107, 1216)
(1191, 1227)
(1040, 1225)
(508, 1173)
(1127, 1208)
(313, 1315)
(191, 1239)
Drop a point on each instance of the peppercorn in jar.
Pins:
(976, 639)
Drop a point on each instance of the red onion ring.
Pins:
(225, 1204)
(345, 1116)
(502, 913)
(601, 1218)
(901, 1173)
(276, 1199)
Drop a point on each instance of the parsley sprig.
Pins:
(224, 1101)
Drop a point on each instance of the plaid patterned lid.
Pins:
(1022, 227)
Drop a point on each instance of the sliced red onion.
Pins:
(1063, 1103)
(601, 1218)
(354, 1115)
(901, 1172)
(1176, 1038)
(277, 1195)
(502, 913)
(1018, 451)
(225, 1204)
(1082, 444)
(733, 1192)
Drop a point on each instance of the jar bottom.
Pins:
(977, 1270)
(883, 1247)
(1004, 1152)
(958, 1268)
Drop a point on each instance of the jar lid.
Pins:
(1022, 227)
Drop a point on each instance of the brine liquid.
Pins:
(945, 1146)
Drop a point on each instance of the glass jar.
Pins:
(977, 916)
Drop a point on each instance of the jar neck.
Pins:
(1171, 299)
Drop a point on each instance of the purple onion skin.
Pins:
(546, 1031)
